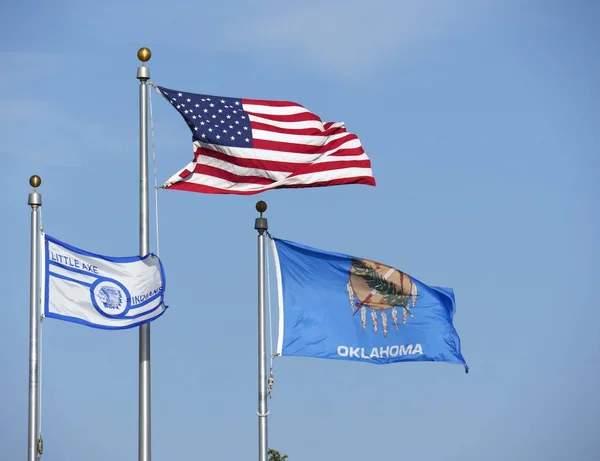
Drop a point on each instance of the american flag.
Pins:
(247, 146)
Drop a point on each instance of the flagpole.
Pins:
(262, 226)
(144, 426)
(35, 202)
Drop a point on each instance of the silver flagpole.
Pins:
(262, 226)
(144, 427)
(35, 201)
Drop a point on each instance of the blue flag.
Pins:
(336, 306)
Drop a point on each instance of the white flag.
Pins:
(100, 291)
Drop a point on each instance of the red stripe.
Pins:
(228, 176)
(302, 117)
(286, 167)
(301, 148)
(262, 102)
(349, 152)
(185, 173)
(268, 165)
(331, 166)
(307, 131)
(366, 180)
(200, 188)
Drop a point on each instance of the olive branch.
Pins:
(388, 291)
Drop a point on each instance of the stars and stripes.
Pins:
(247, 146)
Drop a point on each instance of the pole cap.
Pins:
(35, 181)
(261, 206)
(144, 54)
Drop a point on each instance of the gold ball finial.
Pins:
(144, 54)
(261, 206)
(35, 181)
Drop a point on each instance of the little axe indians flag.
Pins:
(247, 146)
(109, 293)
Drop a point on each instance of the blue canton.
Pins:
(213, 119)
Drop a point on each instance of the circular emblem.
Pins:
(110, 298)
(378, 286)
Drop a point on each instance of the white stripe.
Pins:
(302, 139)
(71, 274)
(279, 298)
(309, 178)
(295, 125)
(136, 310)
(264, 154)
(241, 170)
(272, 110)
(262, 173)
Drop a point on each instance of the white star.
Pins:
(182, 105)
(237, 122)
(220, 110)
(203, 135)
(235, 111)
(230, 126)
(210, 129)
(245, 128)
(208, 99)
(243, 116)
(214, 116)
(228, 116)
(218, 136)
(185, 112)
(201, 123)
(189, 100)
(212, 105)
(223, 101)
(222, 121)
(239, 132)
(179, 94)
(237, 103)
(224, 131)
(178, 107)
(191, 110)
(247, 140)
(195, 128)
(233, 138)
(197, 105)
(194, 117)
(205, 110)
(203, 100)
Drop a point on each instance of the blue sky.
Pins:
(481, 120)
